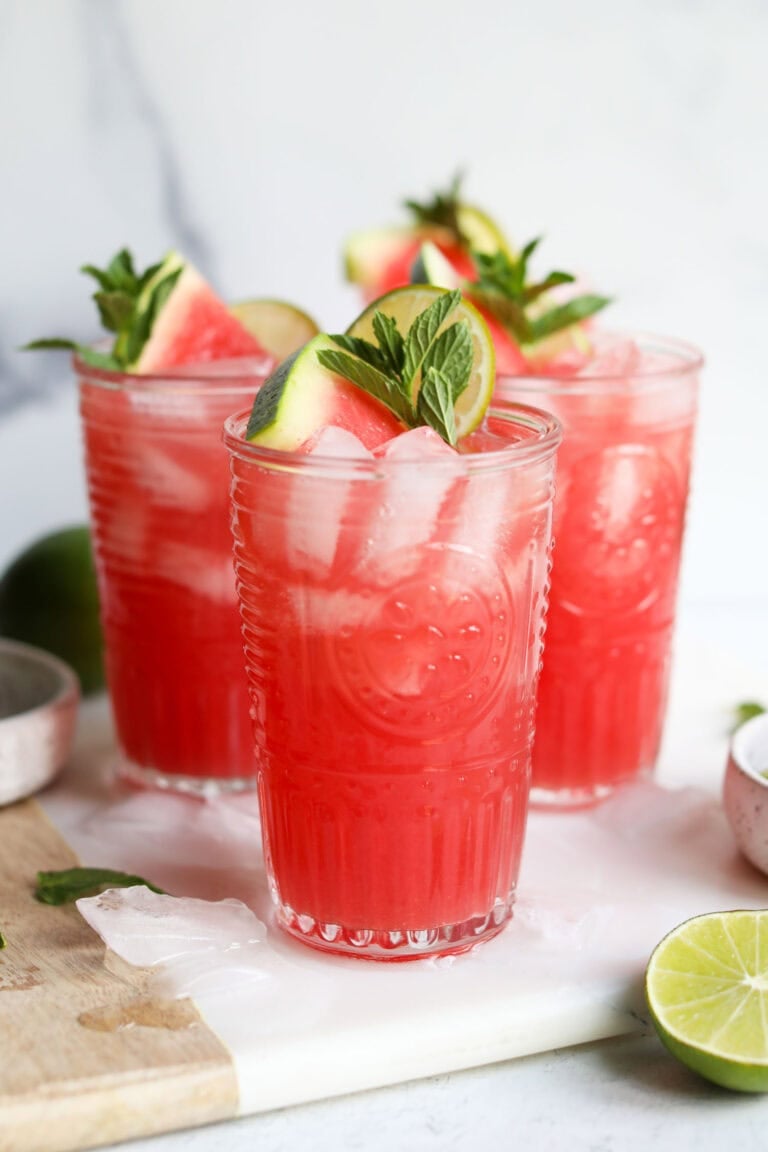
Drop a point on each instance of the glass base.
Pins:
(376, 944)
(570, 799)
(205, 787)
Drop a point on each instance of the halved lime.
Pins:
(49, 598)
(280, 327)
(404, 305)
(707, 990)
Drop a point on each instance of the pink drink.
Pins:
(622, 484)
(158, 479)
(393, 614)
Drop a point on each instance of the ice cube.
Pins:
(613, 356)
(318, 506)
(206, 572)
(147, 928)
(172, 480)
(420, 470)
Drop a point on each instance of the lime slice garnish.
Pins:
(707, 990)
(280, 327)
(404, 305)
(481, 231)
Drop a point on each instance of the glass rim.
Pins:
(690, 361)
(199, 379)
(539, 447)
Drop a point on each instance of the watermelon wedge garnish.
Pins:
(162, 318)
(381, 259)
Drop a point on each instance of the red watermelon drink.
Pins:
(158, 487)
(392, 591)
(152, 406)
(628, 416)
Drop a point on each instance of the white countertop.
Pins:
(623, 1094)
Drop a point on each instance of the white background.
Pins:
(253, 136)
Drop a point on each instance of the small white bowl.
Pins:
(745, 790)
(39, 695)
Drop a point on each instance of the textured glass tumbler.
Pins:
(393, 615)
(158, 484)
(622, 486)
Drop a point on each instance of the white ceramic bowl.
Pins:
(39, 695)
(745, 790)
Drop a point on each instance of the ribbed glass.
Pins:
(158, 484)
(622, 486)
(393, 616)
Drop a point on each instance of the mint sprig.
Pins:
(128, 303)
(3, 942)
(73, 883)
(503, 287)
(419, 376)
(442, 211)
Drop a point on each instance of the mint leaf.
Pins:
(3, 942)
(504, 289)
(442, 211)
(54, 342)
(115, 309)
(370, 379)
(580, 308)
(363, 350)
(73, 883)
(551, 280)
(121, 272)
(87, 354)
(451, 355)
(435, 404)
(423, 331)
(129, 304)
(442, 357)
(390, 342)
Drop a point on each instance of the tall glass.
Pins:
(393, 617)
(622, 486)
(158, 482)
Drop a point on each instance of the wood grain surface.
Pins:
(87, 1057)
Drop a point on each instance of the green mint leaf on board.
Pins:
(504, 288)
(3, 942)
(128, 303)
(441, 356)
(435, 404)
(746, 710)
(73, 883)
(442, 211)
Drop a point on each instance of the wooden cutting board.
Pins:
(86, 1057)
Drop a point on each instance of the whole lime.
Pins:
(49, 598)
